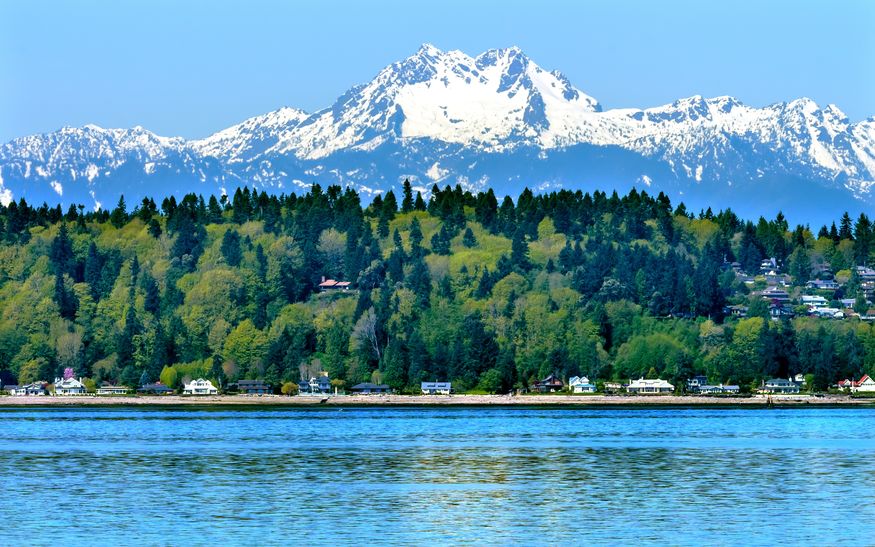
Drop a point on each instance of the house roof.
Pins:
(436, 385)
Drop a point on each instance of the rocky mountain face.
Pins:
(496, 120)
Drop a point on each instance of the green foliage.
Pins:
(463, 288)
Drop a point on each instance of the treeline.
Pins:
(490, 295)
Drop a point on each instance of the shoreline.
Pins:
(437, 400)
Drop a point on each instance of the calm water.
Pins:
(436, 476)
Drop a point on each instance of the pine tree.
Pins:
(119, 216)
(407, 201)
(231, 248)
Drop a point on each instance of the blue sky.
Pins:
(192, 67)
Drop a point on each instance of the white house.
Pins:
(580, 384)
(643, 386)
(200, 387)
(107, 389)
(436, 388)
(69, 386)
(864, 384)
(36, 388)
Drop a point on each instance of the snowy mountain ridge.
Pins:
(497, 119)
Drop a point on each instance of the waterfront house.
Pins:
(780, 386)
(32, 389)
(69, 386)
(318, 384)
(10, 388)
(720, 389)
(865, 384)
(156, 388)
(367, 388)
(436, 388)
(200, 387)
(109, 389)
(650, 387)
(550, 384)
(253, 387)
(581, 384)
(695, 383)
(613, 387)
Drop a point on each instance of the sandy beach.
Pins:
(428, 400)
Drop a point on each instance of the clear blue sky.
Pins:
(192, 67)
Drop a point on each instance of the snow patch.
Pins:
(435, 172)
(5, 193)
(699, 173)
(149, 167)
(645, 180)
(91, 172)
(56, 186)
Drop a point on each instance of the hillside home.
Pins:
(822, 285)
(776, 295)
(581, 384)
(200, 387)
(649, 387)
(331, 285)
(69, 386)
(814, 301)
(436, 388)
(695, 383)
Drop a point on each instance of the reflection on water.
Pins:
(436, 475)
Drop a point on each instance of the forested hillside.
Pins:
(460, 287)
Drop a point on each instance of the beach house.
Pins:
(200, 387)
(32, 389)
(253, 387)
(777, 386)
(156, 388)
(865, 384)
(69, 386)
(550, 384)
(109, 389)
(367, 388)
(581, 384)
(650, 387)
(436, 388)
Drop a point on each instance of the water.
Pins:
(214, 475)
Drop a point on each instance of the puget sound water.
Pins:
(435, 476)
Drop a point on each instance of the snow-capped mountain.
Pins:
(497, 119)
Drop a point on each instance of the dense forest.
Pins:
(489, 295)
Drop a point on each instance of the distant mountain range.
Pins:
(496, 120)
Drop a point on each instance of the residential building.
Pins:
(613, 387)
(318, 384)
(720, 389)
(776, 295)
(695, 383)
(865, 384)
(253, 387)
(69, 386)
(156, 388)
(367, 388)
(550, 384)
(865, 273)
(822, 285)
(331, 285)
(10, 388)
(32, 389)
(108, 389)
(780, 386)
(436, 388)
(200, 387)
(581, 384)
(814, 301)
(649, 387)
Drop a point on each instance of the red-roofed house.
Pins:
(332, 285)
(864, 384)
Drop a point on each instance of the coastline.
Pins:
(436, 400)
